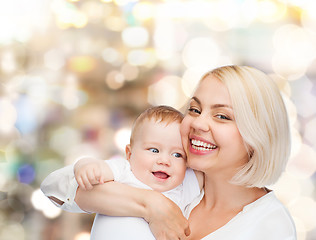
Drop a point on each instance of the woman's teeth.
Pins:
(202, 146)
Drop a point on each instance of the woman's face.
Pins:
(209, 132)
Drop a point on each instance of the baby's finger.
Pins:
(80, 183)
(93, 179)
(86, 182)
(101, 181)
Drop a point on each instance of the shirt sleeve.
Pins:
(62, 185)
(191, 188)
(118, 166)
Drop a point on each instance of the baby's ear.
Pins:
(128, 151)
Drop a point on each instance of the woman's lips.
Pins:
(199, 146)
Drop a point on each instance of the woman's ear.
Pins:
(128, 151)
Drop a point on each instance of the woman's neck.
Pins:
(221, 194)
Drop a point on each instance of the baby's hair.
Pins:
(160, 114)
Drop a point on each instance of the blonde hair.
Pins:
(160, 114)
(262, 121)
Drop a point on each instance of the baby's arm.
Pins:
(60, 186)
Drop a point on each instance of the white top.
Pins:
(265, 218)
(62, 185)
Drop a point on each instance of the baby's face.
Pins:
(157, 157)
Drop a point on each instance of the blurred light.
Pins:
(82, 236)
(191, 78)
(27, 120)
(135, 36)
(300, 228)
(271, 11)
(67, 15)
(138, 57)
(70, 96)
(115, 79)
(130, 72)
(123, 2)
(310, 132)
(307, 187)
(82, 64)
(282, 83)
(303, 98)
(115, 23)
(122, 138)
(26, 174)
(144, 11)
(304, 208)
(84, 149)
(296, 142)
(287, 188)
(111, 55)
(303, 165)
(166, 47)
(167, 91)
(54, 59)
(227, 14)
(8, 115)
(18, 19)
(201, 52)
(308, 17)
(37, 90)
(12, 229)
(41, 203)
(291, 111)
(3, 180)
(63, 139)
(295, 51)
(8, 62)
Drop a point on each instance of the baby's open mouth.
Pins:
(161, 175)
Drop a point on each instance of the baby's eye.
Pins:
(194, 110)
(154, 150)
(177, 155)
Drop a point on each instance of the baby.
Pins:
(155, 159)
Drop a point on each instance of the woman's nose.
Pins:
(201, 123)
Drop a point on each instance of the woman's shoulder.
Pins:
(272, 215)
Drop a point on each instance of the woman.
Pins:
(236, 132)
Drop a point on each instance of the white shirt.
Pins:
(264, 219)
(62, 185)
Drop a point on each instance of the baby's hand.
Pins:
(90, 171)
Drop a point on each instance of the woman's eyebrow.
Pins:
(221, 106)
(196, 100)
(217, 105)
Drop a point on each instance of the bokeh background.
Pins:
(75, 74)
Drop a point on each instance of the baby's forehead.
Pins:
(159, 122)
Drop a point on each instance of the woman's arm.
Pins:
(164, 217)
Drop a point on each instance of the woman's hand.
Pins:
(165, 218)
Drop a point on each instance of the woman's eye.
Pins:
(194, 110)
(154, 150)
(221, 116)
(177, 155)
